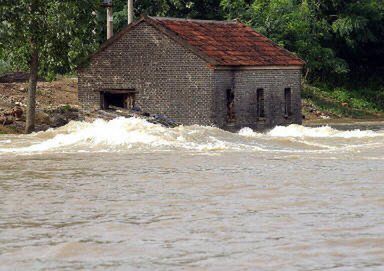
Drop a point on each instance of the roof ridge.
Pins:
(193, 20)
(250, 47)
(218, 52)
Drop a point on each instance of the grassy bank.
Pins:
(339, 102)
(7, 130)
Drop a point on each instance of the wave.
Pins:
(295, 130)
(135, 134)
(125, 133)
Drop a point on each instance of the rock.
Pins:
(136, 108)
(58, 120)
(164, 120)
(17, 112)
(42, 127)
(61, 115)
(14, 77)
(6, 120)
(72, 115)
(42, 118)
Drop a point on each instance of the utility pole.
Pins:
(130, 11)
(108, 5)
(109, 22)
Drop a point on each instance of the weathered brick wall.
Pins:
(223, 80)
(169, 79)
(246, 83)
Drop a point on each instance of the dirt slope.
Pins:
(54, 101)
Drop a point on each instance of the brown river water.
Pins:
(129, 195)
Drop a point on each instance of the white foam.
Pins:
(248, 132)
(136, 134)
(122, 133)
(295, 130)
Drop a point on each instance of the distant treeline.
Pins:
(341, 41)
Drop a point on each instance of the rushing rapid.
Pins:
(130, 195)
(138, 135)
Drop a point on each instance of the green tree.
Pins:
(46, 37)
(294, 25)
(358, 34)
(198, 9)
(334, 37)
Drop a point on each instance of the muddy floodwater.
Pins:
(130, 195)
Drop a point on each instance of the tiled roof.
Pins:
(229, 43)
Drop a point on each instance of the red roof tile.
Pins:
(229, 43)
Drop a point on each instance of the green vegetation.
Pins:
(342, 102)
(4, 66)
(62, 31)
(341, 41)
(7, 130)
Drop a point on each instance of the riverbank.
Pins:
(341, 105)
(57, 104)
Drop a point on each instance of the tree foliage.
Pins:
(198, 9)
(334, 37)
(338, 39)
(63, 30)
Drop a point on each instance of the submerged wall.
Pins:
(245, 84)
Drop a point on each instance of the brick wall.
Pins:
(223, 80)
(246, 83)
(169, 79)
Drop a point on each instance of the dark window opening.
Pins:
(287, 102)
(260, 103)
(230, 105)
(125, 100)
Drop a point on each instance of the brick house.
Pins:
(220, 73)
